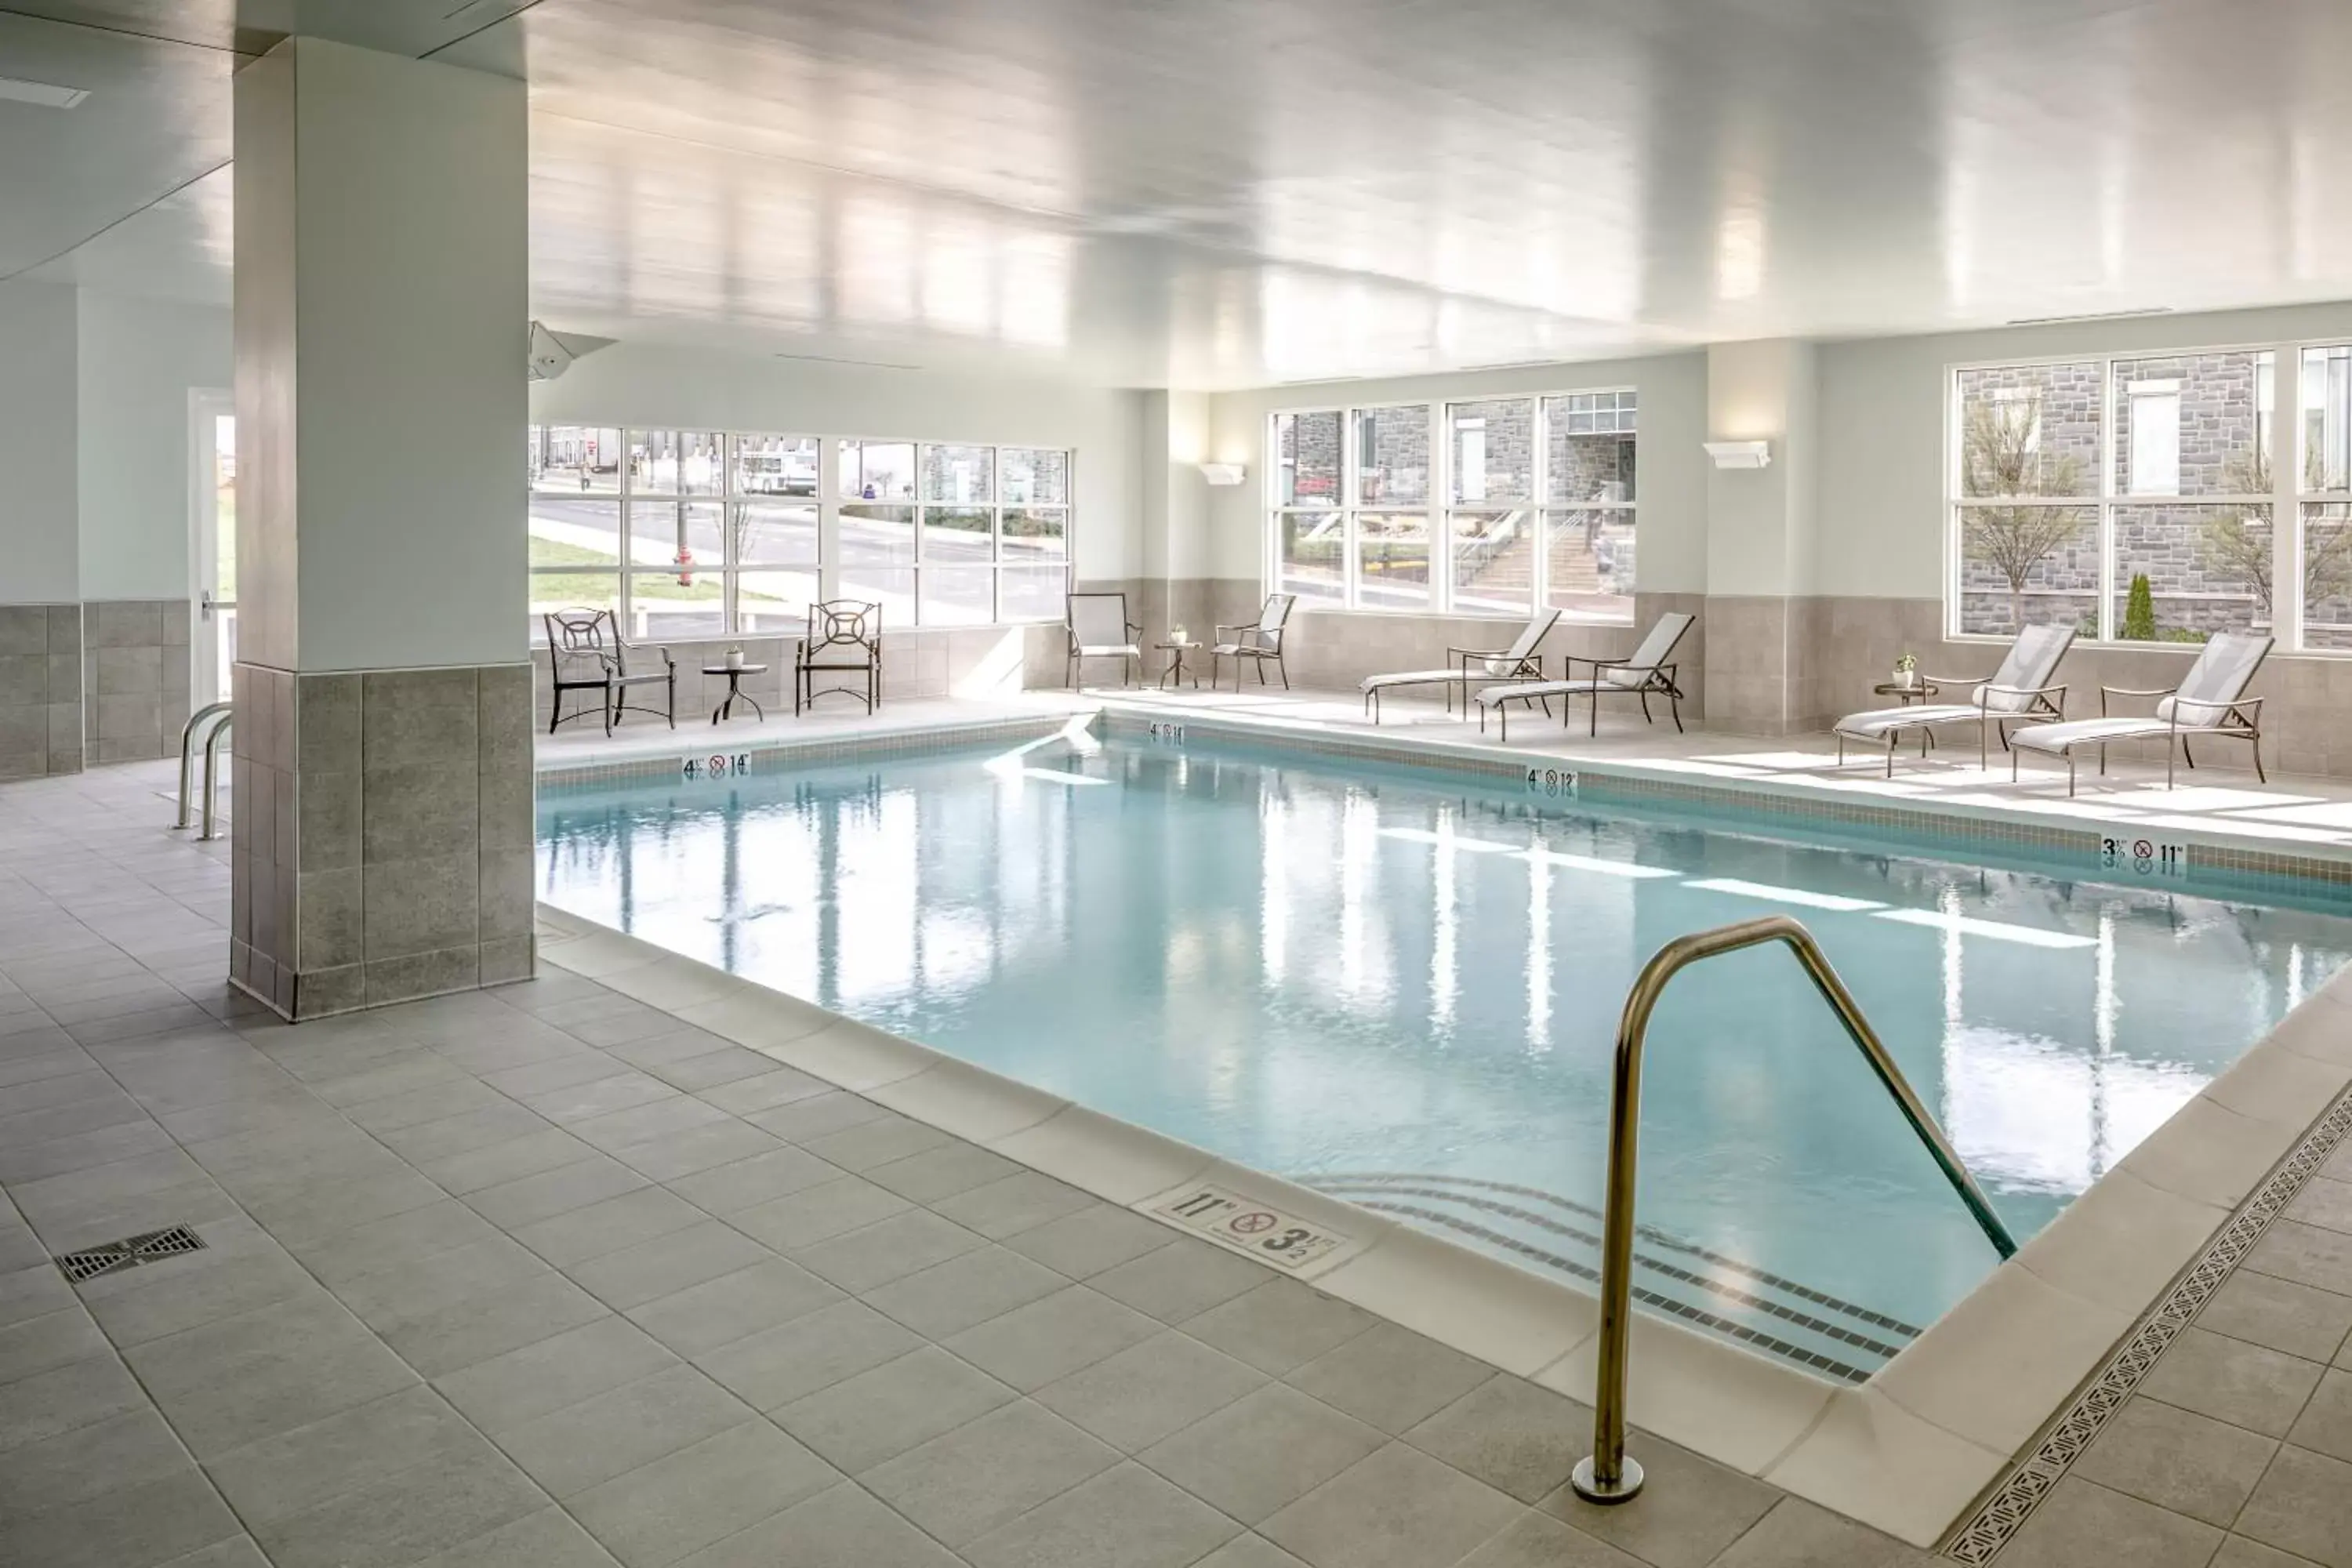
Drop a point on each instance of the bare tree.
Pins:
(2001, 455)
(2237, 540)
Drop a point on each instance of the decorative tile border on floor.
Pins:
(1609, 780)
(2014, 1497)
(776, 755)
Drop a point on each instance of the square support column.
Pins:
(1761, 615)
(382, 815)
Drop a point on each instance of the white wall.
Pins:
(410, 209)
(629, 384)
(39, 561)
(140, 360)
(1760, 524)
(1672, 557)
(1880, 516)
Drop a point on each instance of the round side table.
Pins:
(1905, 696)
(735, 674)
(1175, 672)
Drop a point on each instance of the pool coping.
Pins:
(1929, 1439)
(1820, 797)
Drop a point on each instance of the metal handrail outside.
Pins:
(187, 752)
(1607, 1476)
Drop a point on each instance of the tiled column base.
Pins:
(40, 690)
(383, 834)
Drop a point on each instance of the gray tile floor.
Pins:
(542, 1276)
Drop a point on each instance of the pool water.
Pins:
(1403, 988)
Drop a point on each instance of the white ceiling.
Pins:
(1221, 192)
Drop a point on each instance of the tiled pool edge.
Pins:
(1981, 1533)
(772, 755)
(1722, 1401)
(1609, 779)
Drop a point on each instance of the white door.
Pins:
(213, 502)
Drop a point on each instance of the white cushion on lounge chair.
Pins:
(2031, 659)
(1530, 691)
(1636, 670)
(1416, 677)
(2224, 667)
(2056, 739)
(1108, 650)
(1878, 722)
(1632, 676)
(1539, 627)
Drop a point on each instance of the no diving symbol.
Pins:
(1252, 1223)
(718, 767)
(2143, 849)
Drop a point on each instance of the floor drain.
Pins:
(148, 1247)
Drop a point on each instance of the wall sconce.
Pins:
(1223, 473)
(1740, 453)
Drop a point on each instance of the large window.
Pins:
(689, 534)
(2134, 497)
(1488, 506)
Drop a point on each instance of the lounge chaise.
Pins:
(2018, 692)
(1648, 671)
(1260, 643)
(1519, 661)
(2210, 702)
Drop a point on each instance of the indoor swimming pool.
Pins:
(1401, 987)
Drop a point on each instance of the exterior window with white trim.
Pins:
(2323, 495)
(702, 535)
(2132, 497)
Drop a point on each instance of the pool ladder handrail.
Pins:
(218, 717)
(1607, 1476)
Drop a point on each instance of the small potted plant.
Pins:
(1176, 635)
(1906, 670)
(735, 658)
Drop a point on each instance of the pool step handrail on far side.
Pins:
(202, 717)
(1608, 1475)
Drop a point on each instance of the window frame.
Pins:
(2278, 424)
(1440, 509)
(824, 500)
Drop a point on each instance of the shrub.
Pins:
(2139, 611)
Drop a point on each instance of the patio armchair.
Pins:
(2209, 703)
(1518, 662)
(845, 637)
(585, 653)
(1648, 671)
(1099, 629)
(2019, 692)
(1260, 642)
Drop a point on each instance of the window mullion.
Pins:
(1350, 473)
(2286, 484)
(828, 517)
(2106, 493)
(1441, 512)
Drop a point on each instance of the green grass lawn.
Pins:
(594, 586)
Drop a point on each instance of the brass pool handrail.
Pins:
(1608, 1475)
